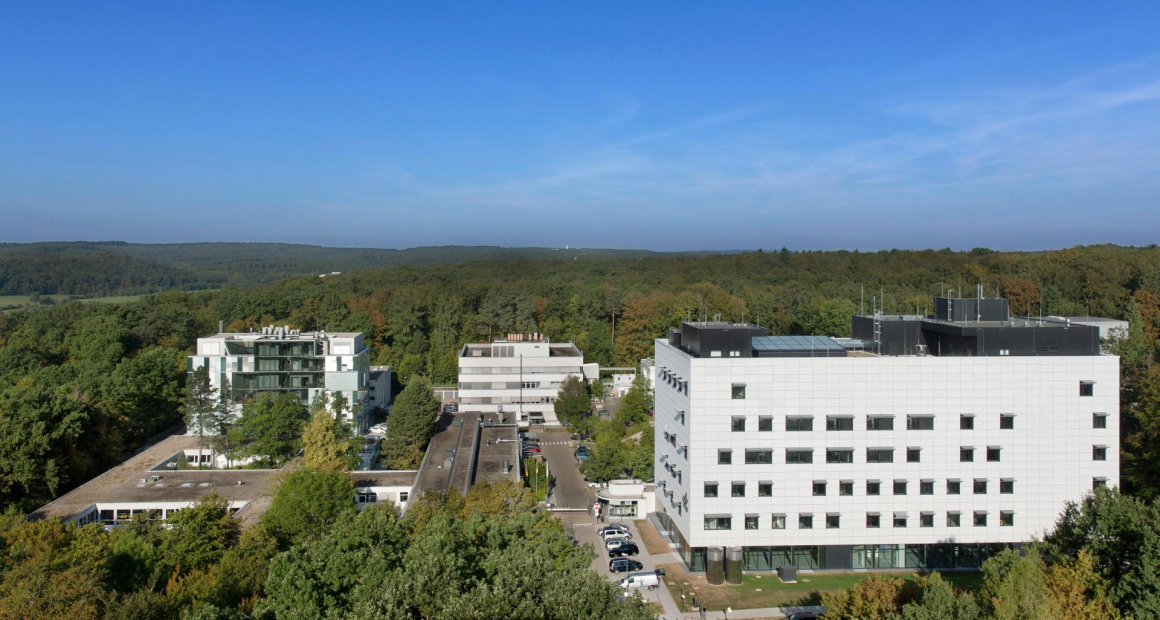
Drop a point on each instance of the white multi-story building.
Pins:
(922, 442)
(280, 359)
(519, 376)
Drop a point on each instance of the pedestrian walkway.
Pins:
(555, 443)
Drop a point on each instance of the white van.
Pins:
(650, 579)
(616, 535)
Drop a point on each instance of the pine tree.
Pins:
(199, 406)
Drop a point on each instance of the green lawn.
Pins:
(766, 590)
(9, 302)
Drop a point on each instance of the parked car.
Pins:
(379, 429)
(623, 548)
(613, 537)
(649, 579)
(803, 615)
(623, 565)
(613, 527)
(531, 449)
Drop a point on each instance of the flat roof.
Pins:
(122, 483)
(384, 478)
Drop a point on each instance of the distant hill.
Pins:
(118, 268)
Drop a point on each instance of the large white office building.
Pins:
(518, 375)
(921, 442)
(280, 359)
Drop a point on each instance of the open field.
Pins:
(766, 590)
(10, 302)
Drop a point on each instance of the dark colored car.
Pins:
(623, 549)
(531, 449)
(803, 615)
(623, 565)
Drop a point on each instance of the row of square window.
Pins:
(873, 487)
(883, 423)
(798, 456)
(1086, 388)
(873, 521)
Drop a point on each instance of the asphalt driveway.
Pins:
(571, 490)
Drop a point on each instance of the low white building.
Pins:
(518, 376)
(648, 368)
(921, 442)
(284, 360)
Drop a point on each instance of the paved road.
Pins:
(571, 490)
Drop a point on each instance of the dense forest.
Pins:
(114, 268)
(492, 554)
(81, 384)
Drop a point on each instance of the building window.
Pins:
(952, 519)
(873, 520)
(1006, 518)
(758, 457)
(718, 523)
(799, 456)
(913, 455)
(833, 522)
(980, 519)
(778, 522)
(926, 519)
(879, 455)
(751, 522)
(1099, 453)
(1099, 482)
(874, 488)
(738, 425)
(1087, 388)
(839, 423)
(1099, 420)
(919, 423)
(805, 522)
(846, 487)
(765, 489)
(710, 489)
(926, 487)
(1006, 421)
(724, 457)
(738, 489)
(403, 495)
(839, 456)
(900, 487)
(967, 455)
(738, 392)
(980, 486)
(993, 455)
(966, 422)
(899, 520)
(1006, 487)
(954, 487)
(819, 488)
(765, 423)
(879, 423)
(799, 424)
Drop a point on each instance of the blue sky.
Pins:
(668, 126)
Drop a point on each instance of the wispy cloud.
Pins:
(960, 147)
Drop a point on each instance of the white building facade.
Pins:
(280, 359)
(804, 453)
(519, 376)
